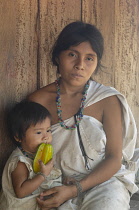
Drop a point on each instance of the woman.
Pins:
(94, 133)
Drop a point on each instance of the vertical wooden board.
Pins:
(26, 47)
(127, 53)
(54, 15)
(102, 14)
(18, 58)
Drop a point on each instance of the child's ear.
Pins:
(17, 139)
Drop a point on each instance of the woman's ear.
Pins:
(17, 139)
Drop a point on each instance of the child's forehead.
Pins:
(44, 123)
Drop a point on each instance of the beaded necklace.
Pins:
(29, 155)
(80, 112)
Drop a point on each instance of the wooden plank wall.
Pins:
(18, 60)
(28, 29)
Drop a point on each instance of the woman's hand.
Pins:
(56, 196)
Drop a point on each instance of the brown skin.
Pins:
(107, 111)
(24, 186)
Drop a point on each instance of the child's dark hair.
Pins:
(22, 116)
(76, 33)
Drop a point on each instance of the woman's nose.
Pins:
(79, 64)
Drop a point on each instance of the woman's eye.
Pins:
(72, 54)
(90, 59)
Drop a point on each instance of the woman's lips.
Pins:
(77, 75)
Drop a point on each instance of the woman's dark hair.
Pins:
(76, 33)
(22, 116)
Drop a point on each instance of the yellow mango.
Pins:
(44, 153)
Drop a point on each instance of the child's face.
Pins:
(35, 135)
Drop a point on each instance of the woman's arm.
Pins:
(112, 124)
(24, 186)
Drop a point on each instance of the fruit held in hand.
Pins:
(44, 153)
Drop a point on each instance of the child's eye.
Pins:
(39, 132)
(49, 130)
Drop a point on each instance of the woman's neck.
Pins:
(66, 88)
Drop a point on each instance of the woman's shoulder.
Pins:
(101, 87)
(108, 93)
(43, 93)
(44, 90)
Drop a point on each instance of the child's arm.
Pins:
(24, 186)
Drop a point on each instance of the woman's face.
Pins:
(77, 64)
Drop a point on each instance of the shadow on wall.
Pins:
(6, 145)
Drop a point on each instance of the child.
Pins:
(29, 125)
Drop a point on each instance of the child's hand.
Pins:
(46, 169)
